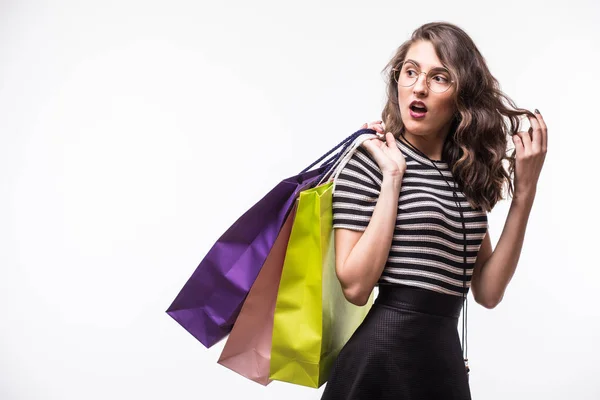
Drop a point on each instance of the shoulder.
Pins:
(360, 175)
(362, 164)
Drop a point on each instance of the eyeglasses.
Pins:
(438, 79)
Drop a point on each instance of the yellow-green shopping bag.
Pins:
(313, 320)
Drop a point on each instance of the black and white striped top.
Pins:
(427, 248)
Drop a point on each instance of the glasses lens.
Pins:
(407, 76)
(438, 80)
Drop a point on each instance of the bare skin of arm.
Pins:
(361, 256)
(495, 268)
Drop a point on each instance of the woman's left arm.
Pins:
(494, 269)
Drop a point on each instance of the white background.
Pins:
(134, 133)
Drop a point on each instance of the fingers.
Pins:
(525, 141)
(370, 142)
(390, 140)
(538, 142)
(519, 148)
(377, 126)
(373, 146)
(536, 135)
(543, 131)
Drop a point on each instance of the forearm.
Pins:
(364, 265)
(499, 269)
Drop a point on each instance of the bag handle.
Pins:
(345, 156)
(344, 144)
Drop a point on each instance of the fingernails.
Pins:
(537, 111)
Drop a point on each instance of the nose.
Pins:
(421, 84)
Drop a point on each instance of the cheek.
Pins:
(444, 109)
(403, 97)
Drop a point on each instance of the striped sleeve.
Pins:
(356, 192)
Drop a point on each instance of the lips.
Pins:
(418, 107)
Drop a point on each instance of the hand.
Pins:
(379, 126)
(387, 155)
(531, 153)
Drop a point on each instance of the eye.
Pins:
(410, 70)
(442, 79)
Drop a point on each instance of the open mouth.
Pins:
(418, 110)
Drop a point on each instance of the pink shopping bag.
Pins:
(247, 350)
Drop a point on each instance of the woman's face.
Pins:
(440, 106)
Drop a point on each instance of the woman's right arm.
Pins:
(362, 255)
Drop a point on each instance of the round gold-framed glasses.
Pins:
(438, 79)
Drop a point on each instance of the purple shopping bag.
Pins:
(211, 299)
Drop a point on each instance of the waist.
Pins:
(420, 300)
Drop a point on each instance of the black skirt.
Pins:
(407, 348)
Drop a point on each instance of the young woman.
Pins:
(409, 213)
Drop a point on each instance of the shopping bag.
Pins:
(247, 350)
(312, 320)
(211, 299)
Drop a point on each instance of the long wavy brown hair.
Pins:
(476, 147)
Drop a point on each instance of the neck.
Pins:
(430, 146)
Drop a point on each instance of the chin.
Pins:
(415, 128)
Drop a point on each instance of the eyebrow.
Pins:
(419, 65)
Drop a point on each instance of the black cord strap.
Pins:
(456, 201)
